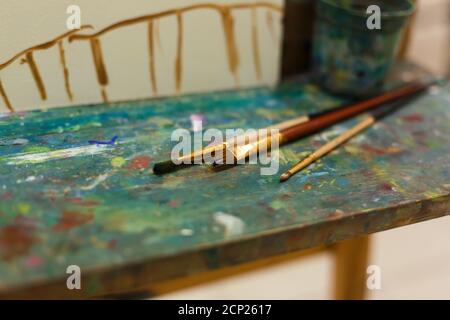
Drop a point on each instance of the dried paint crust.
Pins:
(64, 201)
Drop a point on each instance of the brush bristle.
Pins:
(165, 167)
(168, 167)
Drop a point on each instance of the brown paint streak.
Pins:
(104, 95)
(151, 55)
(227, 20)
(157, 36)
(5, 97)
(211, 6)
(270, 25)
(15, 241)
(233, 57)
(36, 75)
(42, 46)
(256, 56)
(102, 76)
(179, 56)
(62, 57)
(70, 220)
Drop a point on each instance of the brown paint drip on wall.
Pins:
(151, 56)
(104, 94)
(43, 46)
(233, 57)
(102, 76)
(255, 44)
(5, 97)
(62, 57)
(227, 20)
(211, 6)
(36, 75)
(270, 25)
(179, 57)
(157, 35)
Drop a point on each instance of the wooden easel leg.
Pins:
(350, 268)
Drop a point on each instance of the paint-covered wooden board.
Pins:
(64, 201)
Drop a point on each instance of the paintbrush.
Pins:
(288, 130)
(368, 121)
(170, 166)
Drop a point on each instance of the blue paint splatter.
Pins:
(304, 178)
(110, 142)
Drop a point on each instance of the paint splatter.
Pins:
(14, 142)
(413, 118)
(196, 122)
(101, 178)
(232, 225)
(110, 142)
(70, 220)
(57, 154)
(117, 162)
(33, 261)
(307, 186)
(381, 152)
(140, 162)
(15, 241)
(186, 232)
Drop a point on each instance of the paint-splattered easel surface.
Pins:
(68, 201)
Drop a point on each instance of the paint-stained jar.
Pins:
(355, 43)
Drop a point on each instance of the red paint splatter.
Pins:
(15, 241)
(112, 244)
(25, 222)
(140, 162)
(385, 187)
(70, 220)
(81, 202)
(33, 261)
(7, 196)
(415, 117)
(373, 150)
(380, 152)
(173, 203)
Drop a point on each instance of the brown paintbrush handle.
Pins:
(328, 119)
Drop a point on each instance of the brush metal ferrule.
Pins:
(242, 152)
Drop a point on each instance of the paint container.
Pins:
(350, 55)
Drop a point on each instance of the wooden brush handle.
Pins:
(328, 119)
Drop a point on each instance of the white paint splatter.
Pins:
(14, 142)
(186, 232)
(233, 225)
(97, 181)
(30, 179)
(197, 122)
(57, 154)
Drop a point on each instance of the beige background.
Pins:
(25, 23)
